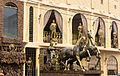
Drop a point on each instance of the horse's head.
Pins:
(92, 49)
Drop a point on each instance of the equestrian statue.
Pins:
(65, 57)
(84, 48)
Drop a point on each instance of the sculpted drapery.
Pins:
(58, 18)
(100, 32)
(114, 35)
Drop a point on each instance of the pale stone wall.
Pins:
(105, 55)
(102, 8)
(91, 9)
(114, 8)
(108, 6)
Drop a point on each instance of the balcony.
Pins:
(47, 36)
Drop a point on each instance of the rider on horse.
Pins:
(83, 44)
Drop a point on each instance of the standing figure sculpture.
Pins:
(100, 38)
(80, 30)
(114, 40)
(29, 67)
(53, 29)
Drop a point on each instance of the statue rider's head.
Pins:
(89, 34)
(80, 28)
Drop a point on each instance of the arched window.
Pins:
(53, 17)
(112, 66)
(101, 1)
(31, 24)
(99, 32)
(10, 21)
(114, 35)
(79, 27)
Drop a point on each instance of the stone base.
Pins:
(71, 73)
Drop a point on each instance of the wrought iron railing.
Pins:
(47, 36)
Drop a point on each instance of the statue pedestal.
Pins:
(71, 73)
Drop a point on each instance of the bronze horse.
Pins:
(85, 49)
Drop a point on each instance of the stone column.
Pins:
(65, 34)
(39, 25)
(26, 23)
(24, 66)
(108, 33)
(118, 35)
(37, 62)
(68, 27)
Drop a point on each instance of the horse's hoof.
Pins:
(88, 59)
(83, 70)
(65, 69)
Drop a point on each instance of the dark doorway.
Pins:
(30, 53)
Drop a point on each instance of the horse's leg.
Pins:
(98, 62)
(63, 60)
(98, 53)
(70, 62)
(64, 65)
(99, 57)
(78, 58)
(71, 65)
(88, 58)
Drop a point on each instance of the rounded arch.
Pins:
(113, 58)
(114, 25)
(57, 16)
(79, 18)
(10, 21)
(31, 7)
(11, 4)
(99, 23)
(100, 32)
(78, 21)
(114, 35)
(112, 65)
(53, 17)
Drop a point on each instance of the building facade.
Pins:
(34, 17)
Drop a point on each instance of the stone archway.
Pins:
(112, 66)
(48, 19)
(114, 35)
(78, 20)
(100, 32)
